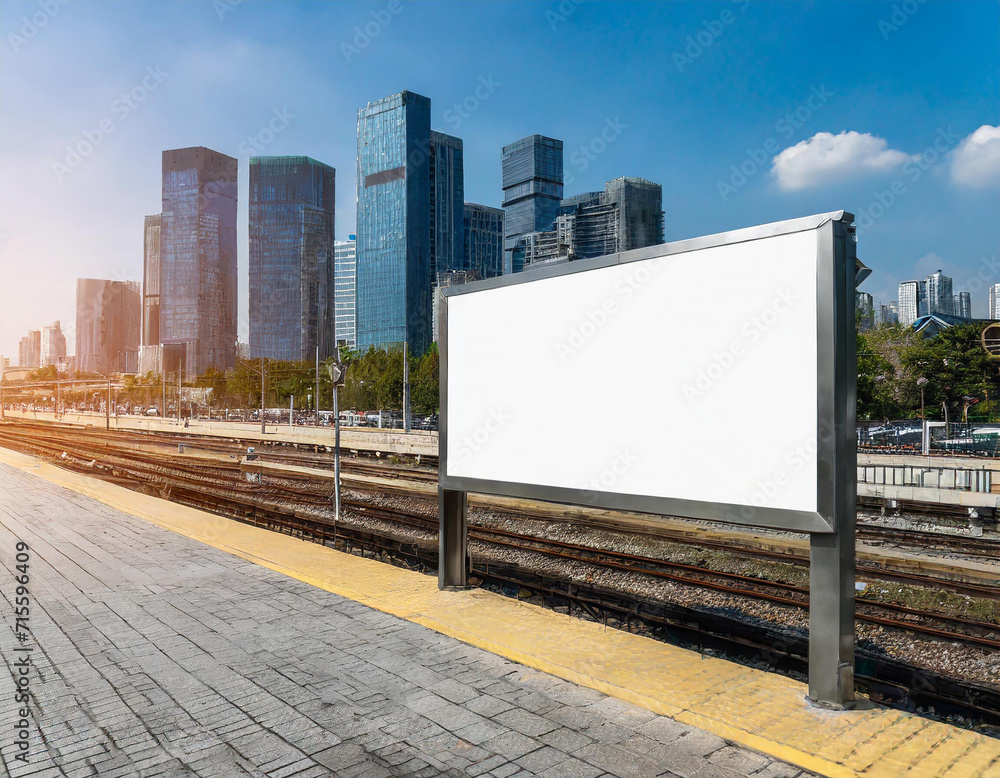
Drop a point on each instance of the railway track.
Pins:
(291, 506)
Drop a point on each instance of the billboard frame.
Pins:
(831, 527)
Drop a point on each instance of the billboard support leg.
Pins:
(453, 542)
(831, 620)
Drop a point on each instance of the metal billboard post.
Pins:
(832, 556)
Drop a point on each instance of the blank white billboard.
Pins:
(690, 377)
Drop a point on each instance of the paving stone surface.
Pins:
(155, 655)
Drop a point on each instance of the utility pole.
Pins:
(3, 416)
(107, 407)
(337, 374)
(406, 387)
(163, 404)
(316, 390)
(262, 391)
(178, 395)
(58, 398)
(291, 410)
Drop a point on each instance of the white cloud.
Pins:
(825, 158)
(976, 161)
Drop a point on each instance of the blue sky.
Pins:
(824, 106)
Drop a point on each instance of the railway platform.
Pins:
(169, 641)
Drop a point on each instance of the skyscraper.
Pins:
(910, 294)
(447, 188)
(108, 324)
(30, 349)
(291, 258)
(963, 305)
(627, 215)
(886, 313)
(345, 284)
(394, 226)
(995, 301)
(938, 293)
(532, 191)
(198, 265)
(53, 345)
(483, 237)
(864, 304)
(150, 350)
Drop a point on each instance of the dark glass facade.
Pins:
(198, 261)
(291, 258)
(532, 191)
(483, 238)
(108, 323)
(447, 187)
(149, 347)
(394, 227)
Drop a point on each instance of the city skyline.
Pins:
(253, 93)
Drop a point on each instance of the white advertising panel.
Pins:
(680, 378)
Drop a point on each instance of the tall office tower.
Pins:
(532, 191)
(394, 230)
(864, 304)
(53, 345)
(995, 301)
(910, 298)
(938, 292)
(627, 215)
(108, 325)
(886, 314)
(291, 258)
(482, 228)
(30, 350)
(447, 187)
(150, 351)
(198, 266)
(962, 305)
(345, 285)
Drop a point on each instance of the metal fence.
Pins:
(905, 437)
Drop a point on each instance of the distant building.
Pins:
(291, 258)
(938, 293)
(627, 215)
(864, 304)
(482, 230)
(532, 192)
(962, 304)
(410, 201)
(30, 350)
(447, 188)
(108, 325)
(887, 313)
(345, 286)
(150, 350)
(198, 265)
(995, 301)
(53, 345)
(911, 303)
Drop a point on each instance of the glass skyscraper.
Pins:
(962, 302)
(483, 237)
(938, 293)
(447, 188)
(150, 350)
(108, 324)
(345, 284)
(532, 191)
(198, 268)
(291, 258)
(410, 208)
(911, 304)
